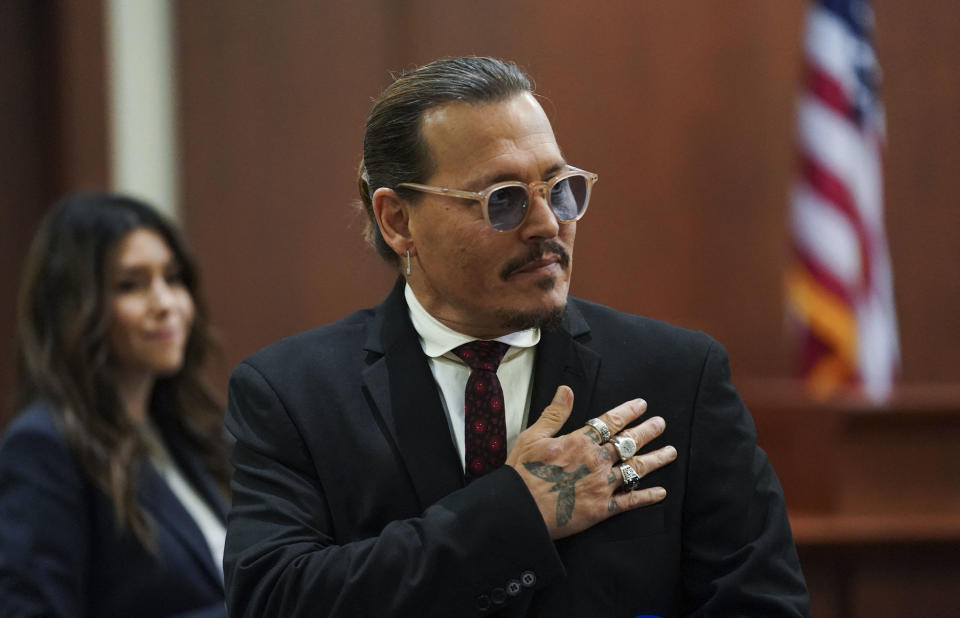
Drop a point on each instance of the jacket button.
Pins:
(528, 579)
(498, 596)
(513, 587)
(483, 602)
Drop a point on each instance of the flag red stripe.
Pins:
(830, 92)
(814, 350)
(835, 192)
(823, 276)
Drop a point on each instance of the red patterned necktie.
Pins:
(485, 423)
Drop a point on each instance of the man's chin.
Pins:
(547, 319)
(546, 284)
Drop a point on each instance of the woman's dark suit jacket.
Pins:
(349, 498)
(61, 553)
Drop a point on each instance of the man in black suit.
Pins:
(389, 465)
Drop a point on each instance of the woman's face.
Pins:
(151, 310)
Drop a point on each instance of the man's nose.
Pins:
(540, 222)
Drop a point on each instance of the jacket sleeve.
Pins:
(43, 535)
(739, 556)
(284, 557)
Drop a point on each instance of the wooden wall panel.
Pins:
(271, 114)
(915, 579)
(23, 154)
(53, 119)
(919, 48)
(79, 107)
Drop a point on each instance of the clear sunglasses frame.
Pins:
(544, 187)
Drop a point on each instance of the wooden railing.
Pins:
(873, 493)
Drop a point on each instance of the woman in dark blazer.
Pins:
(113, 476)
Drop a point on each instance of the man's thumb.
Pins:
(555, 414)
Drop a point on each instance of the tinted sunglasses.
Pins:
(505, 204)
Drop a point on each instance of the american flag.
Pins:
(840, 287)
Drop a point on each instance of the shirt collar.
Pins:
(437, 338)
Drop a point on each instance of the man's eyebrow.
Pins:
(554, 169)
(482, 183)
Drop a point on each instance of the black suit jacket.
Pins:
(61, 553)
(349, 499)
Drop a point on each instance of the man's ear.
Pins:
(393, 218)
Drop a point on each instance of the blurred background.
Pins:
(244, 121)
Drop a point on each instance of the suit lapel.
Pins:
(402, 388)
(563, 359)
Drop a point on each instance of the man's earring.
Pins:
(408, 262)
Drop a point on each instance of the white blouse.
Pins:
(213, 530)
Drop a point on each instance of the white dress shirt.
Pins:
(451, 373)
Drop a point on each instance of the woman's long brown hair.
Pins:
(64, 357)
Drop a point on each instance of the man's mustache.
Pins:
(535, 253)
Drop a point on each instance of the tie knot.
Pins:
(482, 355)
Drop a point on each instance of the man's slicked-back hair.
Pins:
(394, 150)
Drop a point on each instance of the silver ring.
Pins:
(631, 480)
(626, 447)
(601, 427)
